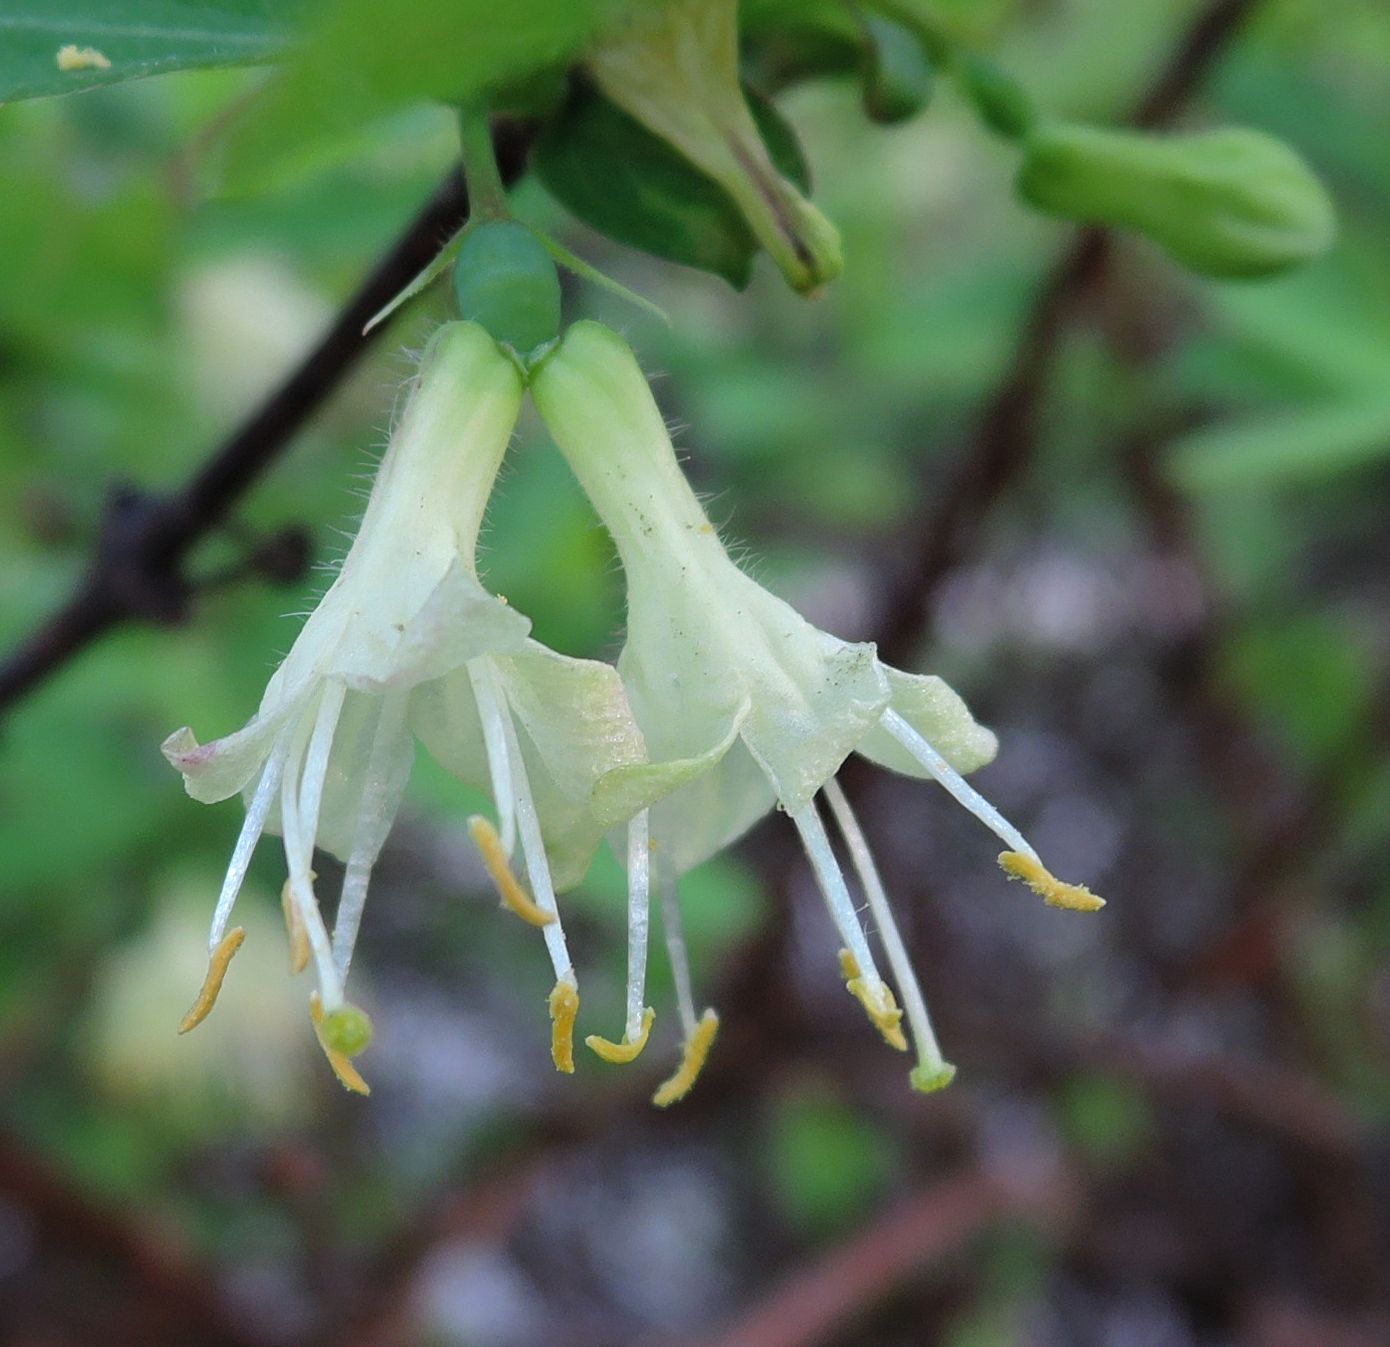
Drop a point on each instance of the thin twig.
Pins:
(822, 1296)
(1006, 433)
(179, 1290)
(137, 570)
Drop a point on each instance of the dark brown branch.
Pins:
(137, 572)
(1005, 436)
(180, 1291)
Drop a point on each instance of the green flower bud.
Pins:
(1231, 203)
(506, 282)
(675, 69)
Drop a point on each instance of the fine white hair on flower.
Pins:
(744, 705)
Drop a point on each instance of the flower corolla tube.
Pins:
(407, 643)
(744, 705)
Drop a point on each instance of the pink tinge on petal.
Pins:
(217, 770)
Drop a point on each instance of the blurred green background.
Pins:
(1172, 1121)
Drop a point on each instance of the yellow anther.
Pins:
(629, 1049)
(294, 924)
(697, 1048)
(212, 984)
(1074, 897)
(564, 1010)
(348, 1075)
(73, 57)
(882, 1008)
(509, 888)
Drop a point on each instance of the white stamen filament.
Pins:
(914, 1004)
(368, 834)
(528, 824)
(251, 829)
(639, 866)
(956, 784)
(674, 930)
(836, 892)
(301, 794)
(498, 759)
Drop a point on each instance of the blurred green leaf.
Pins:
(1107, 1118)
(134, 38)
(361, 59)
(789, 40)
(1292, 445)
(1307, 676)
(898, 77)
(628, 183)
(827, 1162)
(1329, 323)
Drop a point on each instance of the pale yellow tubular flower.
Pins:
(407, 643)
(325, 760)
(742, 703)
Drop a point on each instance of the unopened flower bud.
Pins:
(675, 69)
(1230, 203)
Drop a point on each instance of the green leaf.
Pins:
(631, 185)
(1105, 1117)
(785, 41)
(361, 59)
(135, 37)
(1308, 677)
(1291, 445)
(827, 1164)
(1328, 325)
(898, 77)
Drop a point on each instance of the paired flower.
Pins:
(407, 643)
(742, 702)
(724, 703)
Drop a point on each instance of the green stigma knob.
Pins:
(505, 280)
(347, 1030)
(1230, 203)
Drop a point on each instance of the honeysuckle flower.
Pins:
(744, 704)
(674, 67)
(406, 642)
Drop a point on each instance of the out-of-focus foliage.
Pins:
(648, 195)
(116, 40)
(139, 320)
(358, 60)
